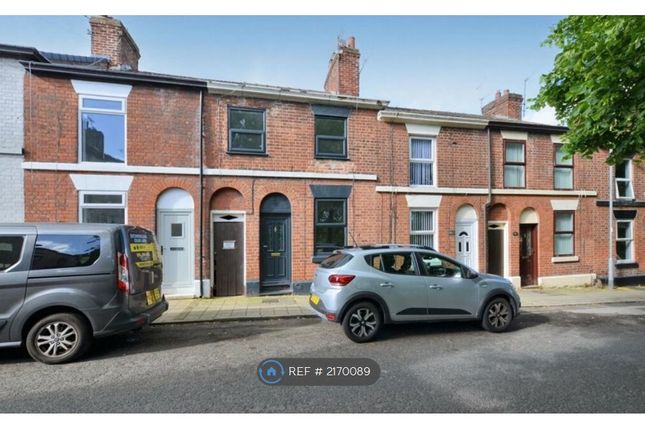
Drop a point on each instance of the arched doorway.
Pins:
(528, 247)
(175, 230)
(228, 243)
(497, 240)
(275, 244)
(466, 236)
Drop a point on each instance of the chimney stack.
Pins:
(111, 39)
(343, 74)
(506, 105)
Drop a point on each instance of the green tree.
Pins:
(597, 85)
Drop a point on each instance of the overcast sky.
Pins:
(434, 62)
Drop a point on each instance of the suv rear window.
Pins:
(57, 251)
(10, 250)
(143, 248)
(336, 260)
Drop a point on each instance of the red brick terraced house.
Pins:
(249, 186)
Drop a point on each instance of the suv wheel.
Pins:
(58, 338)
(362, 322)
(497, 315)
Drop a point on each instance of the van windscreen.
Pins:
(143, 248)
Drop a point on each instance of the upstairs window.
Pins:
(624, 188)
(563, 169)
(103, 125)
(247, 131)
(421, 161)
(514, 164)
(331, 137)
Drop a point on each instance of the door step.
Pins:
(275, 291)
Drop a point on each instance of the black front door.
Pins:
(275, 250)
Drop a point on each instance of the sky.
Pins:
(451, 63)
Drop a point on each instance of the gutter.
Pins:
(541, 128)
(112, 75)
(431, 119)
(201, 193)
(292, 94)
(22, 52)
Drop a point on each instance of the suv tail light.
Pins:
(123, 280)
(340, 280)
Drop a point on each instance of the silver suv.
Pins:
(367, 287)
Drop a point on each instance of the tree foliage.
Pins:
(597, 85)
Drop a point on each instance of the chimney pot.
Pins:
(351, 42)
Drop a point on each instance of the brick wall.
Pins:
(11, 140)
(343, 76)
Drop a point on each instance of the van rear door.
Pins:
(144, 268)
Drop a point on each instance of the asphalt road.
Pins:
(578, 359)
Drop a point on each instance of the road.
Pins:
(576, 359)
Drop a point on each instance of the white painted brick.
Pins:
(12, 208)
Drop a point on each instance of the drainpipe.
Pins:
(610, 260)
(489, 199)
(201, 193)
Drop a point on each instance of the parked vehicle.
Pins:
(364, 288)
(61, 285)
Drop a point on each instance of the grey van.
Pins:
(61, 285)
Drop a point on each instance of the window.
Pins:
(336, 260)
(624, 189)
(330, 225)
(563, 169)
(331, 137)
(624, 241)
(10, 251)
(514, 164)
(246, 131)
(421, 161)
(56, 251)
(439, 267)
(101, 207)
(422, 228)
(563, 234)
(102, 125)
(176, 230)
(399, 263)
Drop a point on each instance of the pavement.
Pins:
(242, 308)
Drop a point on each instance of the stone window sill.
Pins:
(569, 259)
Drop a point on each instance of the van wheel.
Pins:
(362, 322)
(497, 316)
(58, 338)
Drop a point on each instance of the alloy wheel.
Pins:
(56, 339)
(362, 322)
(498, 315)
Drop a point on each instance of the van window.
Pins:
(57, 251)
(143, 248)
(10, 251)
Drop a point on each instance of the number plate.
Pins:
(314, 299)
(153, 296)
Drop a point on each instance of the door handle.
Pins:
(386, 285)
(436, 287)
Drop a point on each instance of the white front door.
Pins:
(466, 244)
(176, 241)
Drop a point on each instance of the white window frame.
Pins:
(629, 179)
(630, 239)
(82, 205)
(432, 161)
(433, 232)
(123, 111)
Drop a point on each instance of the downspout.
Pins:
(201, 193)
(489, 199)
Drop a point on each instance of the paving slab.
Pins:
(290, 306)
